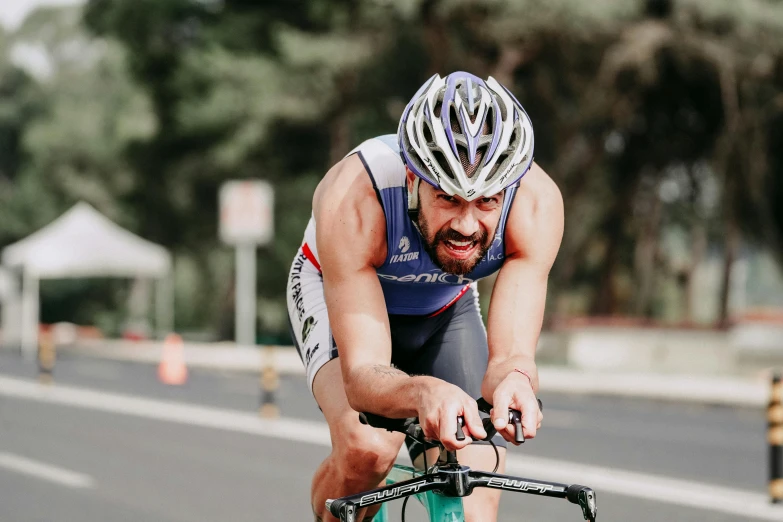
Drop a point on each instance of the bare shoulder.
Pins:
(350, 222)
(536, 220)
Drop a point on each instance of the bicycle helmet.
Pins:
(469, 137)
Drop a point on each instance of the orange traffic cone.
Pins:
(172, 369)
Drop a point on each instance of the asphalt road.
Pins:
(130, 467)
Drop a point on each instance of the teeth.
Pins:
(461, 243)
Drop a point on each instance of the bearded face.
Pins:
(456, 233)
(451, 251)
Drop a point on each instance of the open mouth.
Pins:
(460, 249)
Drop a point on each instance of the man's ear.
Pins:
(410, 178)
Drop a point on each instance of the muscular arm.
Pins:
(533, 234)
(351, 240)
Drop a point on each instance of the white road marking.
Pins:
(44, 471)
(230, 420)
(656, 488)
(691, 494)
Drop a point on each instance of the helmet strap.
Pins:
(413, 204)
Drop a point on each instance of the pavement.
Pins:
(107, 441)
(727, 390)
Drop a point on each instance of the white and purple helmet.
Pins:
(469, 137)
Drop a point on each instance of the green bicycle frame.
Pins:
(440, 508)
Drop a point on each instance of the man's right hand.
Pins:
(440, 405)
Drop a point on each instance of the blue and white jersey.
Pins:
(412, 284)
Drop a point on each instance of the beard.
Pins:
(443, 260)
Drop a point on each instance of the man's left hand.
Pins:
(516, 392)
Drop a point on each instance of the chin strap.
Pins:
(413, 204)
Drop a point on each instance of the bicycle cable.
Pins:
(497, 455)
(404, 503)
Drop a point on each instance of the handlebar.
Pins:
(411, 427)
(454, 480)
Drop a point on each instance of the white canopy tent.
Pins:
(80, 243)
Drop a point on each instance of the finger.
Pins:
(508, 434)
(501, 402)
(429, 426)
(473, 421)
(448, 429)
(530, 414)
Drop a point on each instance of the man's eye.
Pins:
(446, 197)
(488, 201)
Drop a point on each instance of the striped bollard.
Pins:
(775, 438)
(47, 356)
(269, 382)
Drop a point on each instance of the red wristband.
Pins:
(523, 372)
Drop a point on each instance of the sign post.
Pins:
(246, 220)
(245, 295)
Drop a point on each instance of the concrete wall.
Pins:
(745, 349)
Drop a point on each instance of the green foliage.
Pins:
(653, 116)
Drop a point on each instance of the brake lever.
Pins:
(488, 427)
(514, 417)
(460, 433)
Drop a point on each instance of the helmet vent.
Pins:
(500, 163)
(443, 163)
(428, 135)
(470, 169)
(455, 126)
(513, 142)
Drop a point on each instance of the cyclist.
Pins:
(386, 279)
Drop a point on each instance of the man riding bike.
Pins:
(382, 296)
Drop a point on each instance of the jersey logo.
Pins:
(311, 352)
(404, 246)
(307, 327)
(493, 254)
(433, 276)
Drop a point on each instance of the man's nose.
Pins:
(466, 223)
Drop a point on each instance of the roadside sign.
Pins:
(246, 212)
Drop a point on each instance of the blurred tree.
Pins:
(653, 116)
(661, 104)
(238, 90)
(20, 102)
(86, 113)
(68, 115)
